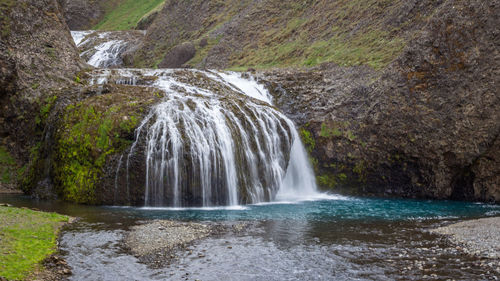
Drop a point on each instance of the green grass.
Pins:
(375, 48)
(26, 239)
(7, 166)
(127, 14)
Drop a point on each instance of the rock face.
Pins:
(426, 126)
(37, 59)
(82, 14)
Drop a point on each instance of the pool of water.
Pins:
(328, 208)
(333, 238)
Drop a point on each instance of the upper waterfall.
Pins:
(105, 49)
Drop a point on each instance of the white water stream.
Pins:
(105, 54)
(214, 140)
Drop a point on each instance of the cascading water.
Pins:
(102, 50)
(214, 140)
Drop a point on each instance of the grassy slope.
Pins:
(26, 238)
(125, 14)
(343, 38)
(303, 40)
(273, 33)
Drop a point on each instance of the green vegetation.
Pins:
(125, 14)
(331, 180)
(5, 7)
(45, 109)
(7, 166)
(337, 129)
(307, 34)
(202, 52)
(91, 131)
(329, 132)
(26, 239)
(307, 139)
(375, 48)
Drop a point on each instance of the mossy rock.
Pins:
(89, 133)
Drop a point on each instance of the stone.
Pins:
(178, 55)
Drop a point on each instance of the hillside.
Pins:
(266, 34)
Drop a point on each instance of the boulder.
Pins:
(178, 55)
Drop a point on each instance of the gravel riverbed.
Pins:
(157, 243)
(479, 238)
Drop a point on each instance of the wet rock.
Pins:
(125, 44)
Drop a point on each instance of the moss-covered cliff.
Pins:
(37, 59)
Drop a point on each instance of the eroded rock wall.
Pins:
(37, 60)
(426, 126)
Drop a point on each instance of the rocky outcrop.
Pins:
(91, 131)
(426, 126)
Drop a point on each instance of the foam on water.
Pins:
(247, 85)
(222, 208)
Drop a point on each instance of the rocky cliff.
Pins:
(425, 126)
(57, 133)
(37, 60)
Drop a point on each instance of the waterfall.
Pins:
(100, 48)
(215, 139)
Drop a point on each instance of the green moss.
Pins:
(5, 9)
(327, 132)
(331, 180)
(125, 14)
(307, 139)
(82, 149)
(360, 170)
(90, 132)
(45, 109)
(7, 166)
(27, 238)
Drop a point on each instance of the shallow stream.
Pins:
(335, 238)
